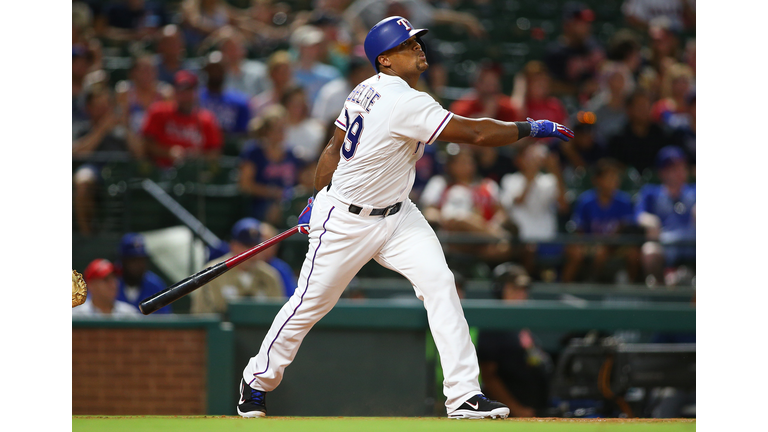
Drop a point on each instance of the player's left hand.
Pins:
(546, 129)
(305, 215)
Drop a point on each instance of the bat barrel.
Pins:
(181, 288)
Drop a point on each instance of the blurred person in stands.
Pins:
(689, 55)
(266, 23)
(104, 136)
(267, 170)
(143, 89)
(229, 106)
(200, 18)
(638, 141)
(332, 95)
(667, 212)
(82, 23)
(664, 44)
(609, 104)
(492, 163)
(102, 293)
(299, 194)
(81, 62)
(338, 38)
(605, 211)
(581, 152)
(683, 126)
(304, 134)
(461, 201)
(170, 53)
(532, 200)
(486, 99)
(675, 88)
(253, 278)
(136, 282)
(179, 129)
(531, 95)
(680, 13)
(308, 71)
(242, 74)
(625, 49)
(134, 20)
(574, 58)
(269, 255)
(516, 371)
(280, 73)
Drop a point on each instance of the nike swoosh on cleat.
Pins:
(475, 406)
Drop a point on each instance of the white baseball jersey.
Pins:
(388, 124)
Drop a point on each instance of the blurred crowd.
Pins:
(263, 80)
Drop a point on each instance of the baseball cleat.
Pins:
(478, 407)
(252, 402)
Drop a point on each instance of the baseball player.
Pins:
(364, 176)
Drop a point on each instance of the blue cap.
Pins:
(132, 245)
(387, 34)
(247, 231)
(669, 155)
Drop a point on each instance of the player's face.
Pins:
(408, 57)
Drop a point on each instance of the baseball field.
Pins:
(371, 424)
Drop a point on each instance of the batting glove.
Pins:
(547, 129)
(304, 217)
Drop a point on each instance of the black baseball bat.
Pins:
(186, 286)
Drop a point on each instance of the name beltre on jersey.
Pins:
(365, 96)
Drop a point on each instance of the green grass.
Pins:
(369, 424)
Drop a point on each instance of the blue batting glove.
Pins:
(547, 129)
(304, 217)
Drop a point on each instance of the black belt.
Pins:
(386, 211)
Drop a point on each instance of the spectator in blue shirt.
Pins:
(136, 282)
(668, 214)
(267, 170)
(606, 211)
(229, 106)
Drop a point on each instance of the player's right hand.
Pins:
(304, 217)
(547, 129)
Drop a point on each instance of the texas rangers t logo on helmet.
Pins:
(404, 22)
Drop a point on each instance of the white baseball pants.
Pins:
(340, 243)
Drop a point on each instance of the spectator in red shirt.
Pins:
(179, 129)
(531, 94)
(486, 100)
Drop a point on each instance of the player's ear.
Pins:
(384, 60)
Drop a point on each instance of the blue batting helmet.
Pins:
(387, 34)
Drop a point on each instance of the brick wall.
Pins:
(138, 371)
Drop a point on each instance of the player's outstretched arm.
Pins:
(488, 132)
(329, 160)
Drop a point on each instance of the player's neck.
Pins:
(410, 80)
